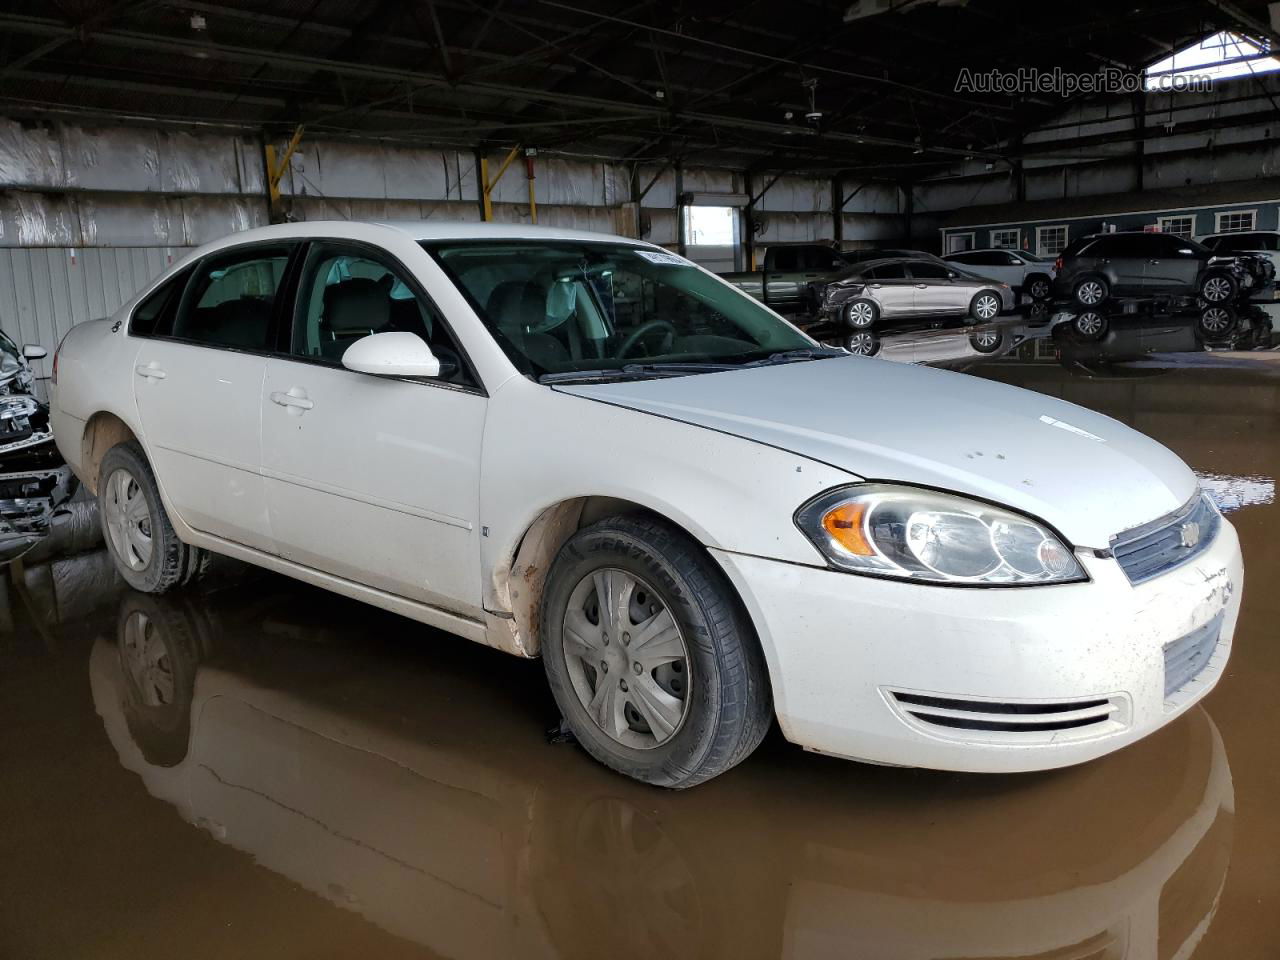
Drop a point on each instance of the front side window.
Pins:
(888, 271)
(561, 307)
(346, 294)
(231, 299)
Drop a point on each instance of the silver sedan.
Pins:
(892, 289)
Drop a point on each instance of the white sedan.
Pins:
(586, 448)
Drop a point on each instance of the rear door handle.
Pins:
(150, 371)
(922, 286)
(296, 399)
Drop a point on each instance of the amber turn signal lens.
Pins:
(844, 525)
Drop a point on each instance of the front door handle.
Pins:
(295, 400)
(1153, 261)
(150, 371)
(875, 286)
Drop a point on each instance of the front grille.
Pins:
(1185, 657)
(1157, 547)
(1005, 717)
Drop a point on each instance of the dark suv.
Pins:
(1095, 268)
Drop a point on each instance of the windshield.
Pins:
(564, 307)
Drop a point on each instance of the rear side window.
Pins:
(1234, 243)
(153, 317)
(785, 258)
(921, 270)
(231, 299)
(888, 271)
(972, 259)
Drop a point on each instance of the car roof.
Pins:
(425, 230)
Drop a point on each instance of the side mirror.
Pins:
(33, 351)
(1186, 252)
(396, 354)
(951, 274)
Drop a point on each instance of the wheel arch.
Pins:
(102, 431)
(519, 576)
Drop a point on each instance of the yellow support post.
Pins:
(275, 170)
(487, 185)
(533, 193)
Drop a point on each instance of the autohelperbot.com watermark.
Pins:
(1064, 83)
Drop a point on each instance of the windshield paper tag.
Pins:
(670, 259)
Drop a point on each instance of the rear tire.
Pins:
(1218, 289)
(139, 536)
(861, 315)
(713, 706)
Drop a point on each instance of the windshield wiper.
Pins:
(636, 371)
(791, 356)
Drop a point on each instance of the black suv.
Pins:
(1104, 265)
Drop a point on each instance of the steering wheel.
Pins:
(644, 330)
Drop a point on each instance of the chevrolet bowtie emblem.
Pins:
(1190, 534)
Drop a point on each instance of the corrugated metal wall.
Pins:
(45, 291)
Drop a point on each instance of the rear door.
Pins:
(197, 382)
(892, 289)
(373, 479)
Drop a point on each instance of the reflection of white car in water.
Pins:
(423, 801)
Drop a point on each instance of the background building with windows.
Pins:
(1045, 227)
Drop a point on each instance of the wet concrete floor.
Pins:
(259, 769)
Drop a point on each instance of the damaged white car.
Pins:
(586, 448)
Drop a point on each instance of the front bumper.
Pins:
(843, 649)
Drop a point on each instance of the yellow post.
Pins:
(275, 170)
(533, 192)
(487, 185)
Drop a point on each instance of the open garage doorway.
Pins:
(711, 237)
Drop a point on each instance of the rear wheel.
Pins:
(1039, 288)
(986, 340)
(1090, 292)
(139, 536)
(861, 314)
(651, 659)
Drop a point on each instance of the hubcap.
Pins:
(1216, 290)
(988, 307)
(1216, 320)
(860, 314)
(147, 659)
(128, 519)
(862, 343)
(627, 658)
(1090, 292)
(1089, 323)
(1039, 289)
(987, 339)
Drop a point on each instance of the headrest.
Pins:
(358, 304)
(518, 305)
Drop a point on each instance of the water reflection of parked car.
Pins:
(940, 347)
(1022, 270)
(421, 800)
(1100, 335)
(862, 295)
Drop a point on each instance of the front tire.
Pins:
(141, 540)
(1219, 288)
(649, 655)
(984, 307)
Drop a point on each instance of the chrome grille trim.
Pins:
(1186, 657)
(1159, 546)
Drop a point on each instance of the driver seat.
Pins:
(518, 307)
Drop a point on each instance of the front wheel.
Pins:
(861, 315)
(1039, 288)
(985, 306)
(141, 540)
(1218, 288)
(652, 662)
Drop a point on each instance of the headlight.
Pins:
(917, 534)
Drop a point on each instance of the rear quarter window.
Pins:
(153, 316)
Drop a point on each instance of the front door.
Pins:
(1173, 266)
(197, 382)
(373, 479)
(934, 292)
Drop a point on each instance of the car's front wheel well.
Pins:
(519, 582)
(103, 431)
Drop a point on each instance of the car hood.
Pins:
(1086, 474)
